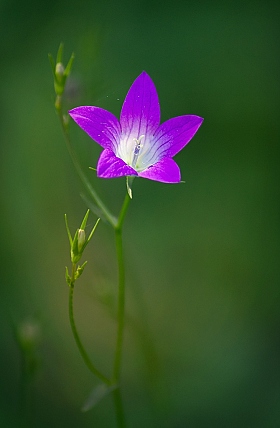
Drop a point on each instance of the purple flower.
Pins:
(137, 145)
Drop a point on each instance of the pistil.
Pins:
(137, 149)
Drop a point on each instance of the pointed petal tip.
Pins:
(194, 117)
(142, 77)
(144, 74)
(140, 114)
(78, 110)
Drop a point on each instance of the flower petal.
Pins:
(174, 134)
(101, 125)
(166, 171)
(110, 166)
(140, 113)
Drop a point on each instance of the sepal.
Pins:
(68, 277)
(80, 270)
(129, 181)
(70, 281)
(68, 231)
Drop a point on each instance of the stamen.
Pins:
(137, 149)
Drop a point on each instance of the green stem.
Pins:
(117, 225)
(83, 353)
(120, 315)
(121, 305)
(119, 407)
(111, 219)
(122, 214)
(121, 289)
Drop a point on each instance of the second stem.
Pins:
(121, 290)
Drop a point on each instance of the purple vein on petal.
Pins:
(174, 134)
(110, 166)
(140, 113)
(166, 171)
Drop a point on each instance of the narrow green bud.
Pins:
(59, 70)
(81, 239)
(76, 254)
(60, 78)
(60, 73)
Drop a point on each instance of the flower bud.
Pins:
(60, 78)
(78, 245)
(81, 239)
(59, 71)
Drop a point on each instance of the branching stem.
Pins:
(117, 224)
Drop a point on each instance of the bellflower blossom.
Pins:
(137, 145)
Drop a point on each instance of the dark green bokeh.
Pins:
(202, 345)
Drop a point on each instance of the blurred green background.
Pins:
(202, 339)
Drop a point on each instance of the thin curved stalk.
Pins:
(93, 194)
(82, 350)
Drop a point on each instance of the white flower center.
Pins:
(137, 149)
(139, 152)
